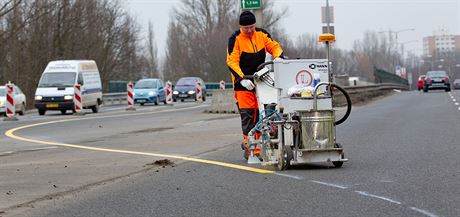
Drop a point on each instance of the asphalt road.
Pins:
(403, 151)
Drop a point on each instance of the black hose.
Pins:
(263, 64)
(347, 97)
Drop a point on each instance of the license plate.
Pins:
(54, 105)
(141, 100)
(182, 95)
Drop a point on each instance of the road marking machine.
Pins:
(297, 119)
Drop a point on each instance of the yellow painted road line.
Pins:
(10, 133)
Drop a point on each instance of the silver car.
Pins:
(19, 100)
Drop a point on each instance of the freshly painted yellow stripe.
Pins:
(10, 133)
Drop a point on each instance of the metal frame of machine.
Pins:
(296, 129)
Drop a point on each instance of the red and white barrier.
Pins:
(169, 97)
(222, 85)
(198, 92)
(130, 97)
(77, 98)
(10, 110)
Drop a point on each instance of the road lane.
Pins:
(394, 169)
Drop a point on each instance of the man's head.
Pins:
(247, 23)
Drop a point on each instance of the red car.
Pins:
(421, 82)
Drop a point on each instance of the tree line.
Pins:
(34, 32)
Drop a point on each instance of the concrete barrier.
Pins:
(223, 101)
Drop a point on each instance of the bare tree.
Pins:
(198, 36)
(374, 50)
(44, 30)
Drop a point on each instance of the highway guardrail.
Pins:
(223, 101)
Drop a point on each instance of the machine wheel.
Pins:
(284, 159)
(338, 164)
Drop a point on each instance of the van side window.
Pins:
(80, 79)
(17, 90)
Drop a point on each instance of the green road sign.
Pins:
(251, 4)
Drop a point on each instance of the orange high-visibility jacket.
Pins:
(244, 54)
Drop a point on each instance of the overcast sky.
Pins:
(352, 18)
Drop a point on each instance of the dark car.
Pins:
(420, 82)
(436, 80)
(185, 88)
(456, 84)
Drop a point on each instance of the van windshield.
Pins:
(58, 79)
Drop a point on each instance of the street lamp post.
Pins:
(402, 48)
(397, 33)
(402, 30)
(396, 39)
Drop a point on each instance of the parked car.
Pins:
(149, 90)
(420, 82)
(436, 80)
(456, 84)
(185, 88)
(19, 100)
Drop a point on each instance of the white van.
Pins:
(56, 87)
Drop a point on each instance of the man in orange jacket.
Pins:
(247, 48)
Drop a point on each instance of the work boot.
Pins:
(244, 147)
(247, 152)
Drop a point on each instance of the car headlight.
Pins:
(175, 92)
(191, 92)
(2, 103)
(38, 97)
(151, 93)
(68, 97)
